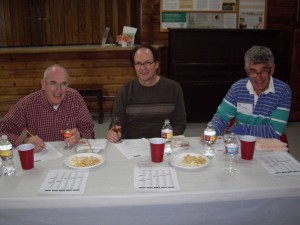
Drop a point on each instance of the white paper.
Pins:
(279, 163)
(155, 179)
(64, 182)
(132, 31)
(48, 153)
(132, 148)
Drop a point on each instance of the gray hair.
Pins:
(259, 54)
(54, 67)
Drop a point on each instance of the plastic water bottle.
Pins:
(209, 140)
(6, 153)
(231, 154)
(167, 133)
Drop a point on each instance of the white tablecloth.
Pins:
(207, 196)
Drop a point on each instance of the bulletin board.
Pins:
(243, 14)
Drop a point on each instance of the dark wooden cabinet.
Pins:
(206, 62)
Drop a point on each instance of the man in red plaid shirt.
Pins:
(45, 112)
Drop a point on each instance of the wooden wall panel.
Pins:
(21, 70)
(62, 22)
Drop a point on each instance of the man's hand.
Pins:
(37, 141)
(75, 136)
(113, 136)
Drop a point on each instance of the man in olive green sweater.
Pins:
(146, 101)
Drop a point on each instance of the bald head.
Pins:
(56, 69)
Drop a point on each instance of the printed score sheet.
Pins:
(279, 163)
(155, 179)
(64, 182)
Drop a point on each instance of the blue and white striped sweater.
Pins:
(269, 116)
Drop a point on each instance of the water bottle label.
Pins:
(211, 138)
(232, 149)
(5, 153)
(6, 147)
(167, 134)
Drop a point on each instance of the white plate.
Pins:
(100, 157)
(176, 160)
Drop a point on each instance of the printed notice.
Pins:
(280, 163)
(155, 179)
(64, 182)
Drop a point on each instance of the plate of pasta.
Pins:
(189, 161)
(84, 161)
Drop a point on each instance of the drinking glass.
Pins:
(67, 134)
(116, 125)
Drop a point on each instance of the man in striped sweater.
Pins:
(260, 104)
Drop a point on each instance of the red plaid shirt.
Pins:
(38, 115)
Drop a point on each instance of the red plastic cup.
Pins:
(247, 146)
(26, 156)
(157, 146)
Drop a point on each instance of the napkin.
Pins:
(269, 144)
(98, 145)
(179, 143)
(91, 145)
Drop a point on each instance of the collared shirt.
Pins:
(267, 118)
(39, 116)
(251, 90)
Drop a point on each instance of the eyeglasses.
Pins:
(146, 64)
(54, 85)
(254, 73)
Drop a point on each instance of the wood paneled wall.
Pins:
(21, 70)
(61, 22)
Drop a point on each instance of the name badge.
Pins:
(245, 108)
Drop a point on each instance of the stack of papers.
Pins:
(268, 144)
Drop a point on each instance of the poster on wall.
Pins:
(209, 5)
(173, 20)
(244, 14)
(252, 14)
(211, 20)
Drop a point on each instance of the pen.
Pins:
(28, 132)
(31, 135)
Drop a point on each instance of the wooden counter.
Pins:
(21, 70)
